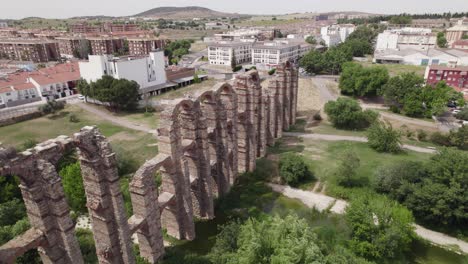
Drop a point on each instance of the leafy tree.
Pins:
(311, 40)
(196, 79)
(358, 47)
(441, 40)
(119, 93)
(401, 20)
(346, 172)
(335, 57)
(87, 245)
(12, 211)
(73, 187)
(398, 87)
(293, 169)
(84, 88)
(346, 113)
(383, 138)
(360, 81)
(274, 240)
(9, 188)
(313, 62)
(459, 137)
(381, 229)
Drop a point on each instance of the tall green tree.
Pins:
(346, 113)
(381, 229)
(362, 81)
(383, 138)
(73, 187)
(441, 40)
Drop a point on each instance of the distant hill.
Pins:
(184, 13)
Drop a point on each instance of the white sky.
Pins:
(69, 8)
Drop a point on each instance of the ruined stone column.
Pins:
(104, 199)
(146, 208)
(287, 99)
(48, 212)
(294, 92)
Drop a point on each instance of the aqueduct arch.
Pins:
(203, 144)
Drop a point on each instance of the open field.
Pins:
(396, 69)
(198, 46)
(268, 21)
(175, 34)
(137, 145)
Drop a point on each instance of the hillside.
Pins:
(184, 13)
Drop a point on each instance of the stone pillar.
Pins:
(146, 208)
(177, 217)
(104, 199)
(287, 99)
(295, 90)
(48, 212)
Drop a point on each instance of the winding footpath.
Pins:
(352, 138)
(323, 202)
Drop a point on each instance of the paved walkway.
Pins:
(352, 138)
(115, 119)
(322, 202)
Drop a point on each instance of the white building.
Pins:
(336, 34)
(404, 38)
(3, 24)
(221, 53)
(450, 57)
(271, 54)
(147, 71)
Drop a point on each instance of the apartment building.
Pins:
(3, 24)
(461, 44)
(111, 27)
(70, 47)
(106, 45)
(143, 46)
(456, 77)
(271, 54)
(336, 34)
(85, 28)
(456, 32)
(223, 52)
(35, 50)
(148, 71)
(406, 38)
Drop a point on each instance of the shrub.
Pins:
(29, 143)
(383, 138)
(422, 135)
(74, 118)
(237, 68)
(345, 113)
(272, 71)
(463, 114)
(345, 173)
(52, 106)
(317, 117)
(293, 169)
(440, 139)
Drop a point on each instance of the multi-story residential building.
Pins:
(336, 34)
(271, 54)
(404, 38)
(147, 71)
(222, 53)
(143, 46)
(45, 84)
(3, 24)
(34, 50)
(456, 32)
(85, 28)
(111, 27)
(456, 77)
(106, 45)
(74, 47)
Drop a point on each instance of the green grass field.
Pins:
(139, 146)
(396, 69)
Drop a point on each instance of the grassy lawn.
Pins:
(137, 145)
(396, 69)
(191, 89)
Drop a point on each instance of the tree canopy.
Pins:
(346, 113)
(383, 138)
(362, 81)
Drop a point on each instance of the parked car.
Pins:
(81, 97)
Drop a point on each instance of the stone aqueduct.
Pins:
(204, 143)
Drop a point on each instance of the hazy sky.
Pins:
(70, 8)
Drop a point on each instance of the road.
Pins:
(353, 138)
(115, 119)
(322, 202)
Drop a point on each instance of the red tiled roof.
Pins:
(5, 90)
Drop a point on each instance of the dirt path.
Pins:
(352, 138)
(322, 202)
(116, 120)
